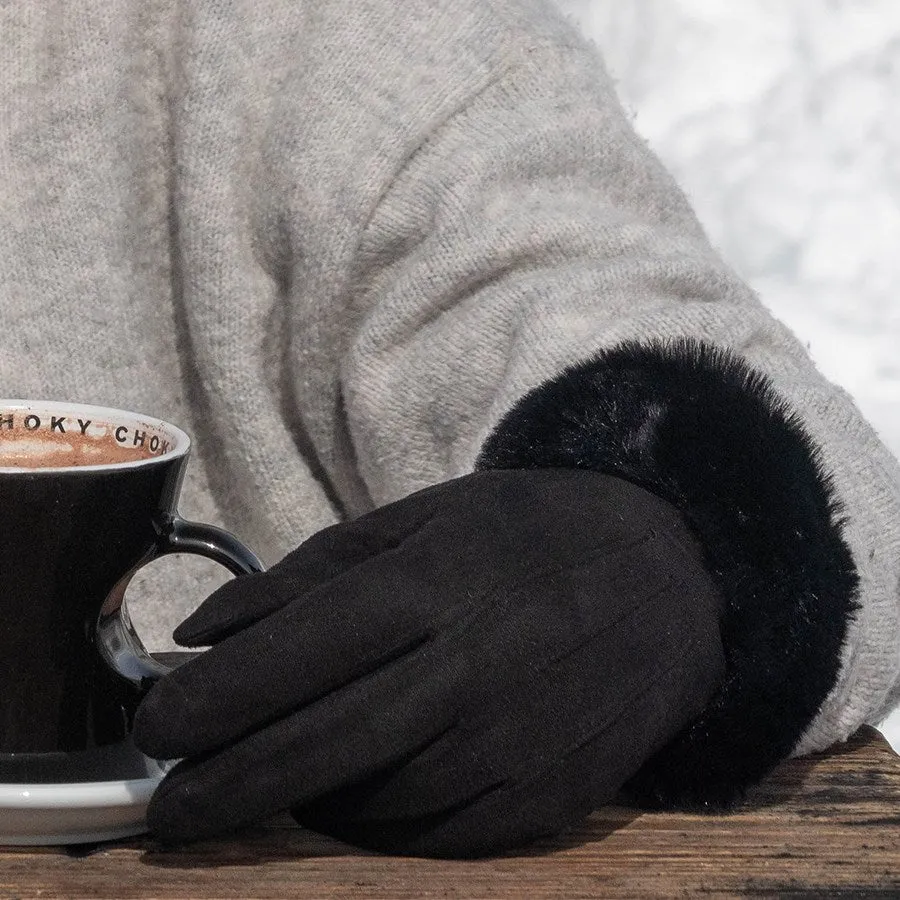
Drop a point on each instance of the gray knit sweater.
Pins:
(338, 241)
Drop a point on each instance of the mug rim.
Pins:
(180, 447)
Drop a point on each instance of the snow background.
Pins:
(780, 121)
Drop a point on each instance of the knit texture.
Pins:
(338, 241)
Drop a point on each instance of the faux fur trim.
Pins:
(700, 428)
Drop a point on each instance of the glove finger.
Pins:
(551, 694)
(347, 736)
(334, 635)
(327, 554)
(541, 801)
(472, 514)
(502, 818)
(230, 608)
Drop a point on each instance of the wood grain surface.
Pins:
(825, 826)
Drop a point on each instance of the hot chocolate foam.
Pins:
(32, 440)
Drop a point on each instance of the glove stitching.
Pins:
(591, 729)
(475, 723)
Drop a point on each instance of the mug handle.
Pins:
(117, 640)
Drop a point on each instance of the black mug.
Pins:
(88, 495)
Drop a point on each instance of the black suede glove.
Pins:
(455, 674)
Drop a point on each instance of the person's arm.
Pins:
(534, 231)
(492, 271)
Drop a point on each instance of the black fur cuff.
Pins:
(697, 426)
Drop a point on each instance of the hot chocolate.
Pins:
(35, 440)
(69, 450)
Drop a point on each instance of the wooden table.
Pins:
(825, 826)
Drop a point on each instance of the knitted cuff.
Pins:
(698, 427)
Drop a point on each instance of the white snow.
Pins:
(780, 120)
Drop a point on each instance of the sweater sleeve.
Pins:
(538, 292)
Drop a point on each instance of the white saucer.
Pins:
(75, 813)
